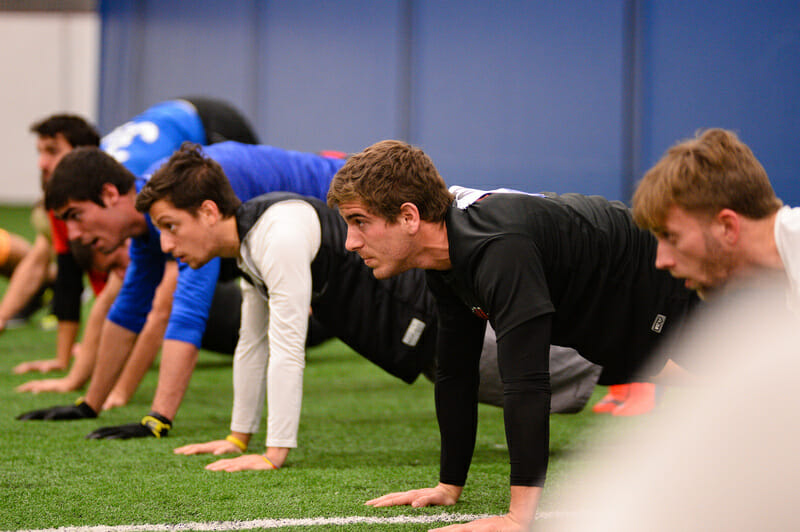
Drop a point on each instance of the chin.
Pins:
(380, 274)
(386, 272)
(199, 263)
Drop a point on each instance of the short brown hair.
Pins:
(388, 174)
(80, 176)
(76, 130)
(186, 180)
(713, 171)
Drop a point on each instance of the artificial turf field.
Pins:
(362, 434)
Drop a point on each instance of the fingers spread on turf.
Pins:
(488, 524)
(395, 499)
(248, 462)
(30, 386)
(44, 385)
(216, 447)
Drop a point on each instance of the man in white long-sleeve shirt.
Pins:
(291, 250)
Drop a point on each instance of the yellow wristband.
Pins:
(236, 441)
(270, 463)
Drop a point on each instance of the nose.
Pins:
(167, 244)
(353, 241)
(664, 258)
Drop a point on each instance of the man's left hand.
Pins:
(502, 523)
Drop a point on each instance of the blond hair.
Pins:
(710, 172)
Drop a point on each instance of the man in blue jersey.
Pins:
(95, 196)
(139, 142)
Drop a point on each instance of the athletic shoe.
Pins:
(616, 395)
(640, 400)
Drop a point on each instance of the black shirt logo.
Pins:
(478, 311)
(658, 323)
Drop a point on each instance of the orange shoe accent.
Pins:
(617, 393)
(641, 400)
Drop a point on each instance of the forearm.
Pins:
(65, 340)
(459, 343)
(142, 356)
(288, 323)
(523, 357)
(26, 280)
(284, 402)
(86, 357)
(151, 337)
(177, 364)
(115, 346)
(523, 504)
(249, 384)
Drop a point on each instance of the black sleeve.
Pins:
(67, 289)
(523, 355)
(458, 350)
(511, 285)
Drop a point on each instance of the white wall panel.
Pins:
(49, 63)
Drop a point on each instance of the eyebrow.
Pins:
(159, 221)
(66, 214)
(351, 216)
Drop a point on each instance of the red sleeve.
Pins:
(59, 230)
(98, 280)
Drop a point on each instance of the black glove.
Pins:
(153, 424)
(80, 410)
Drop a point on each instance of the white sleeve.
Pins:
(282, 245)
(250, 362)
(787, 240)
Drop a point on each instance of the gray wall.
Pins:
(565, 96)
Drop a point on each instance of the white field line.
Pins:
(279, 523)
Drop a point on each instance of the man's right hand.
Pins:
(42, 366)
(48, 385)
(216, 447)
(441, 495)
(80, 410)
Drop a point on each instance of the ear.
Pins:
(728, 226)
(109, 195)
(208, 212)
(409, 217)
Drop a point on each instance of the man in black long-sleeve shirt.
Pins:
(569, 270)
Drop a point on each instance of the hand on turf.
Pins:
(216, 447)
(441, 495)
(47, 385)
(152, 424)
(79, 410)
(247, 462)
(500, 523)
(114, 400)
(42, 366)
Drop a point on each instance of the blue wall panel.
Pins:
(528, 95)
(731, 64)
(156, 50)
(329, 73)
(565, 96)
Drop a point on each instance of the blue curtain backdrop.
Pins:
(565, 96)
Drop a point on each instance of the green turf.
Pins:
(362, 434)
